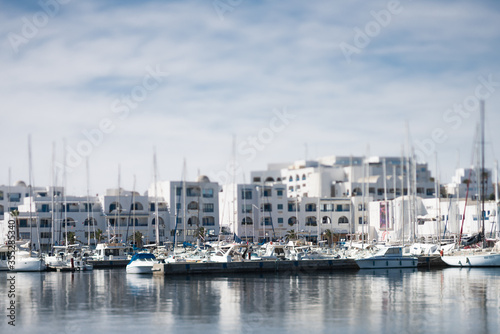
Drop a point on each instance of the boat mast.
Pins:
(496, 200)
(88, 201)
(483, 174)
(157, 222)
(52, 177)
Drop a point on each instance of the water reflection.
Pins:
(381, 300)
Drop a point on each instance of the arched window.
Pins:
(113, 206)
(292, 221)
(90, 221)
(69, 222)
(153, 222)
(269, 179)
(290, 179)
(1, 210)
(326, 220)
(303, 177)
(297, 178)
(311, 221)
(247, 221)
(193, 206)
(343, 220)
(136, 206)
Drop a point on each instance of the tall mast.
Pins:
(30, 190)
(157, 221)
(52, 177)
(483, 173)
(88, 201)
(65, 222)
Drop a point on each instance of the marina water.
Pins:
(450, 300)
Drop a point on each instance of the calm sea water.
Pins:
(375, 301)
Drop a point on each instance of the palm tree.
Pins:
(99, 236)
(72, 238)
(328, 235)
(200, 233)
(291, 235)
(137, 239)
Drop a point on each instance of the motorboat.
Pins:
(141, 263)
(68, 258)
(388, 257)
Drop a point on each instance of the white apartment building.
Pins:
(471, 177)
(256, 212)
(47, 217)
(194, 204)
(429, 218)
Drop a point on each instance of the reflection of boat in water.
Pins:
(388, 257)
(4, 257)
(141, 263)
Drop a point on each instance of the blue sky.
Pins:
(185, 76)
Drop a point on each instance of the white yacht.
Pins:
(474, 257)
(141, 263)
(388, 257)
(69, 257)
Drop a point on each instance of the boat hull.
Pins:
(140, 269)
(472, 260)
(383, 263)
(29, 264)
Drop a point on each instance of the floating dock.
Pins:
(306, 266)
(105, 264)
(182, 268)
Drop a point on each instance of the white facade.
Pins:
(470, 176)
(45, 219)
(429, 219)
(193, 205)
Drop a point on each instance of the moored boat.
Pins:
(388, 257)
(141, 263)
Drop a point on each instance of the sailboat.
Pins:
(481, 257)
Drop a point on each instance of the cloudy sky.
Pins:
(286, 79)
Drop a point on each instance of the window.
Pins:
(247, 221)
(208, 193)
(292, 207)
(14, 197)
(113, 206)
(292, 221)
(1, 195)
(256, 179)
(280, 206)
(208, 221)
(266, 192)
(326, 220)
(178, 191)
(45, 235)
(280, 220)
(208, 207)
(266, 207)
(178, 206)
(192, 206)
(70, 222)
(303, 177)
(193, 221)
(1, 210)
(297, 178)
(290, 179)
(193, 192)
(290, 188)
(90, 221)
(343, 220)
(267, 221)
(136, 206)
(162, 223)
(45, 222)
(279, 192)
(311, 221)
(246, 208)
(246, 193)
(310, 207)
(23, 222)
